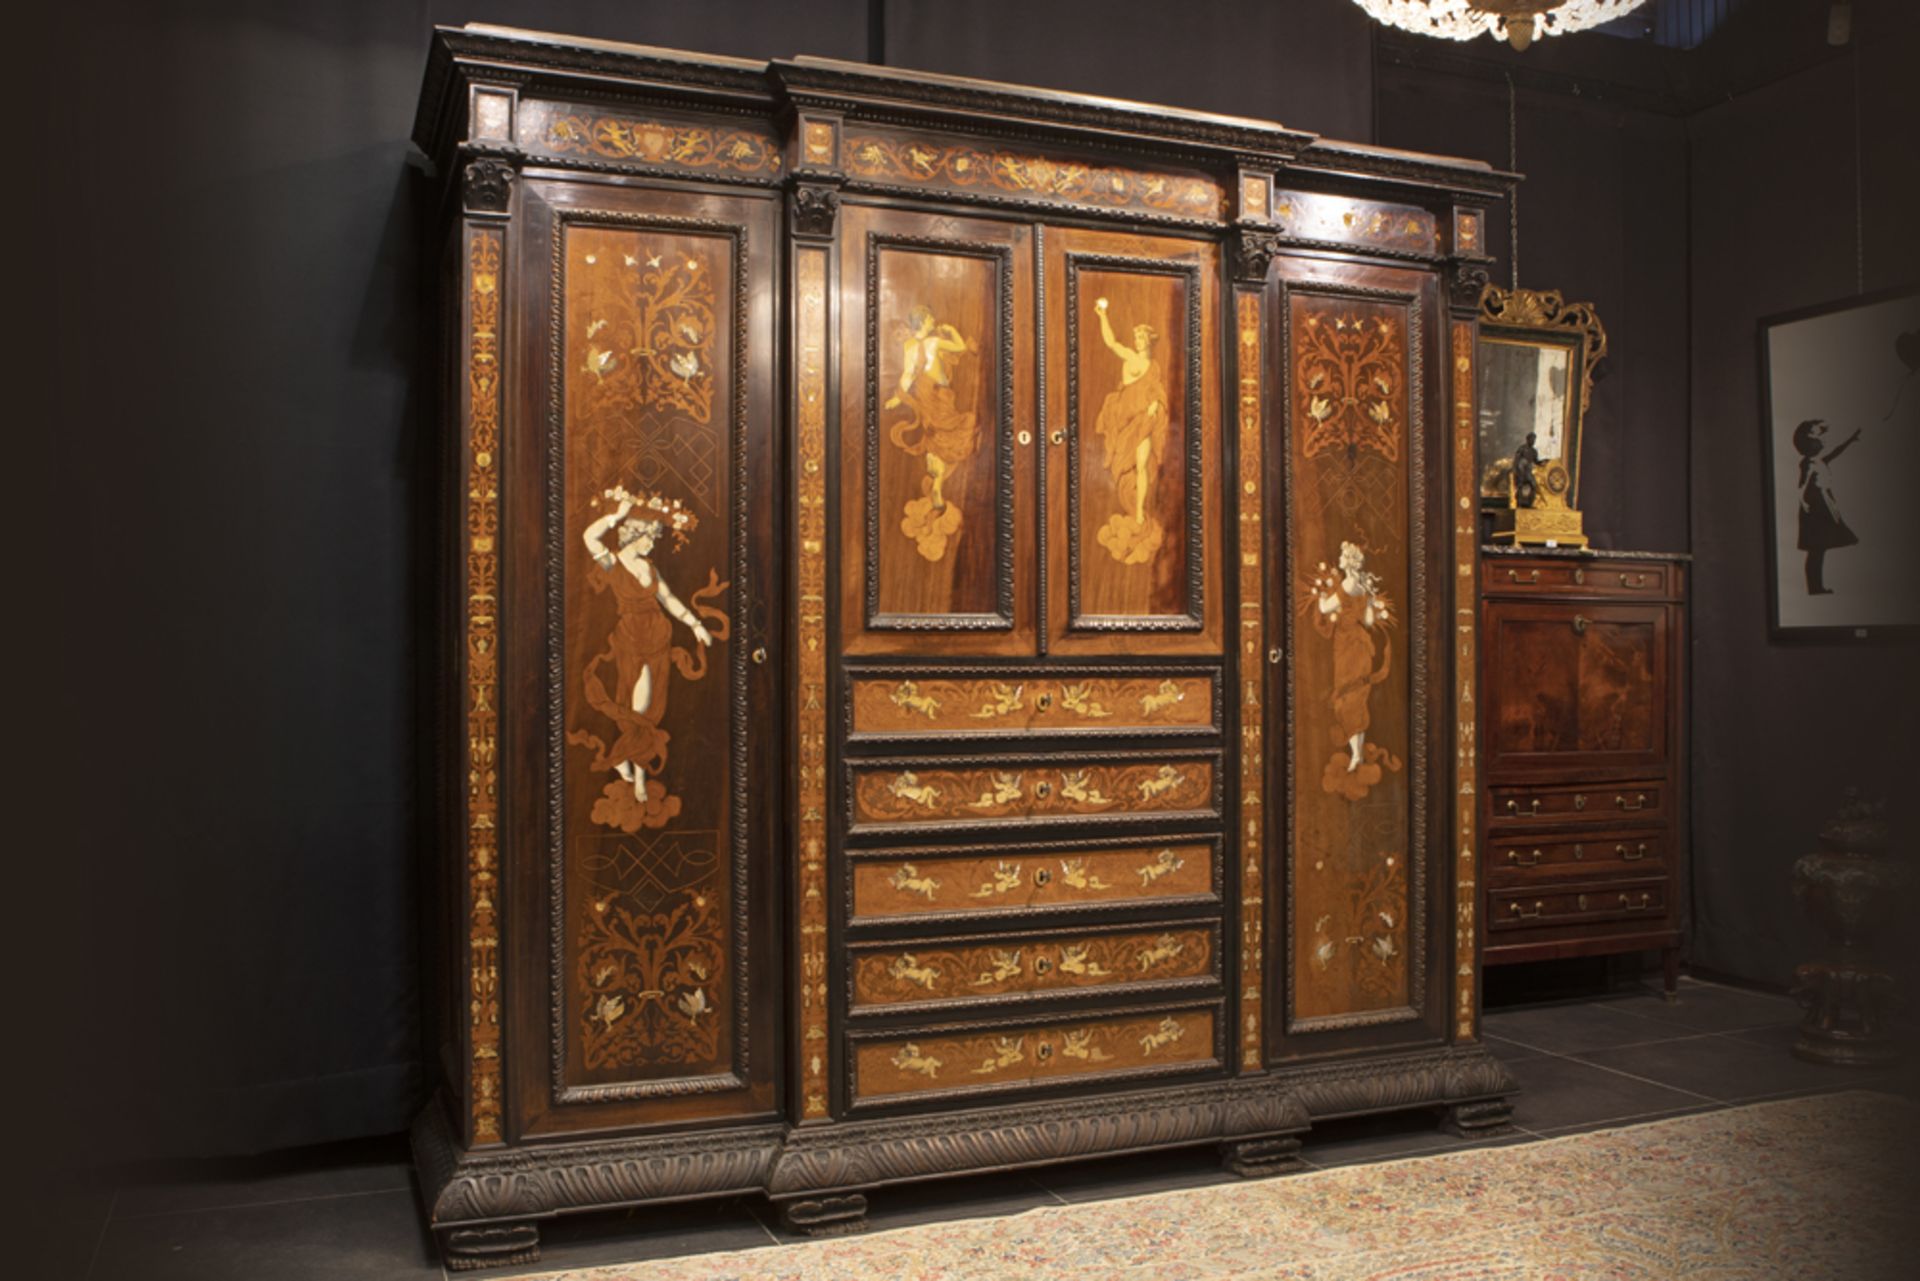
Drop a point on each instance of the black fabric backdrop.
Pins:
(239, 338)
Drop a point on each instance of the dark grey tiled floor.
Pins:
(348, 1213)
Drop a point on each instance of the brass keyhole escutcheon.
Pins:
(1058, 438)
(1042, 876)
(1041, 965)
(1273, 655)
(1579, 578)
(1580, 624)
(1579, 800)
(1579, 851)
(1045, 1051)
(1026, 438)
(1583, 902)
(760, 654)
(1043, 789)
(1043, 701)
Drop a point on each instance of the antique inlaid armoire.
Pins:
(960, 632)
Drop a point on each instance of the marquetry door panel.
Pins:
(936, 491)
(1352, 570)
(1132, 449)
(640, 522)
(1579, 683)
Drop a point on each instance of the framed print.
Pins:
(1840, 389)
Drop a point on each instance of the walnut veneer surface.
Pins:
(960, 633)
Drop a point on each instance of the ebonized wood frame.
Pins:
(738, 703)
(1001, 256)
(1192, 454)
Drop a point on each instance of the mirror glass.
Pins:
(1525, 386)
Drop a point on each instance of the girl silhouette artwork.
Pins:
(1822, 528)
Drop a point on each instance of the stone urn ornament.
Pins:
(1852, 889)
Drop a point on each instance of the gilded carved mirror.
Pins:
(1537, 357)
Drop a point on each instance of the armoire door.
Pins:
(1132, 450)
(1579, 685)
(642, 607)
(936, 442)
(1358, 764)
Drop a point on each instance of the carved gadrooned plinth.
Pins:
(825, 1216)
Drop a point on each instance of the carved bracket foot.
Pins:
(825, 1216)
(1478, 1120)
(1263, 1158)
(496, 1245)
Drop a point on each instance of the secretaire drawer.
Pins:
(1583, 803)
(1513, 861)
(893, 795)
(949, 703)
(1563, 576)
(1026, 879)
(1010, 1056)
(1526, 908)
(1014, 967)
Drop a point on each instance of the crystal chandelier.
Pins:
(1515, 21)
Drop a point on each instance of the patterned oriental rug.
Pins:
(1802, 1188)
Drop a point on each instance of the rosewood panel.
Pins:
(1578, 687)
(935, 972)
(1023, 1056)
(1133, 446)
(1014, 701)
(919, 794)
(1028, 879)
(1352, 382)
(935, 523)
(656, 589)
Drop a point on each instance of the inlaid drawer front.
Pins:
(936, 705)
(943, 971)
(1560, 576)
(1618, 900)
(1610, 854)
(1014, 1057)
(921, 794)
(1591, 803)
(935, 885)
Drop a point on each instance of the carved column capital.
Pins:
(1253, 251)
(813, 208)
(486, 185)
(1466, 281)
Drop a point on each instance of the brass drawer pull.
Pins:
(1579, 800)
(1646, 901)
(1633, 580)
(1631, 855)
(1513, 856)
(1579, 578)
(1639, 801)
(1513, 807)
(1513, 576)
(1524, 915)
(1042, 876)
(1580, 624)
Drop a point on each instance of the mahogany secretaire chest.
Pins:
(1583, 743)
(959, 633)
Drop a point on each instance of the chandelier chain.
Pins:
(1513, 191)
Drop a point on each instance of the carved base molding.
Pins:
(482, 1204)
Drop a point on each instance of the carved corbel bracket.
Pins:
(813, 208)
(1466, 280)
(486, 184)
(1253, 251)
